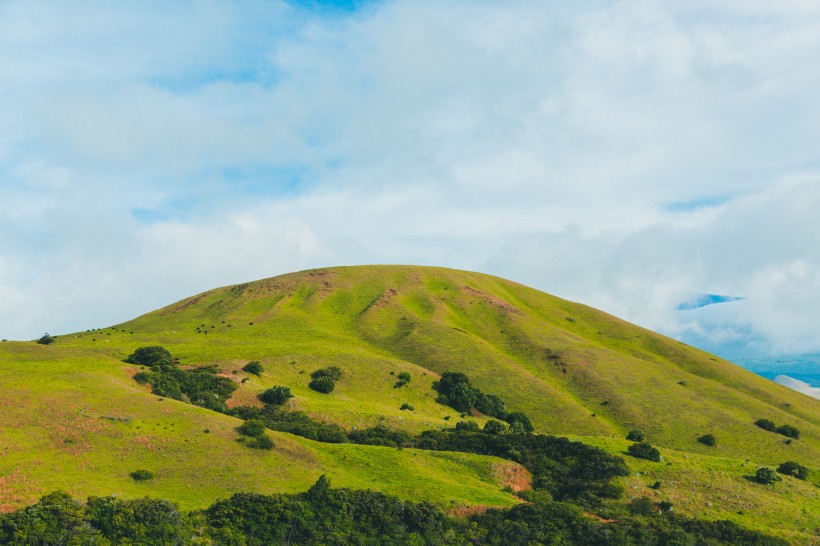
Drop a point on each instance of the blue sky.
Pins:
(629, 155)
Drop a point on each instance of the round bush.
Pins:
(251, 427)
(494, 427)
(707, 439)
(150, 356)
(276, 395)
(323, 384)
(253, 367)
(636, 436)
(644, 450)
(142, 475)
(766, 475)
(791, 468)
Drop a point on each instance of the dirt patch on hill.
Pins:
(495, 301)
(514, 476)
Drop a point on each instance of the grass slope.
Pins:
(55, 434)
(573, 369)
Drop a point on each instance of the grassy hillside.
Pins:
(56, 433)
(574, 370)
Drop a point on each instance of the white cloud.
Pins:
(566, 146)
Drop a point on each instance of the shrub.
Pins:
(142, 475)
(332, 372)
(276, 395)
(642, 506)
(404, 379)
(323, 384)
(46, 339)
(380, 436)
(766, 475)
(788, 430)
(494, 427)
(253, 367)
(791, 468)
(765, 424)
(707, 439)
(467, 426)
(644, 450)
(263, 441)
(656, 485)
(150, 356)
(407, 407)
(519, 422)
(251, 427)
(636, 436)
(490, 404)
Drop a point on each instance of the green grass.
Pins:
(572, 369)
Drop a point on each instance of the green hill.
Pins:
(572, 369)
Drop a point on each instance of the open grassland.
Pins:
(574, 370)
(56, 432)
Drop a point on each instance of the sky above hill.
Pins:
(634, 156)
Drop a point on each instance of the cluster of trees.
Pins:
(323, 515)
(644, 450)
(324, 379)
(403, 379)
(455, 391)
(295, 422)
(785, 430)
(200, 386)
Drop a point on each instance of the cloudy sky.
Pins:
(629, 155)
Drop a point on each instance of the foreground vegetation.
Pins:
(323, 515)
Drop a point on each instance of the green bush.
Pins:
(46, 339)
(519, 422)
(332, 372)
(253, 367)
(707, 439)
(408, 407)
(142, 475)
(765, 424)
(494, 427)
(323, 384)
(788, 430)
(644, 450)
(404, 379)
(766, 475)
(636, 436)
(791, 468)
(277, 395)
(467, 426)
(642, 506)
(150, 356)
(491, 405)
(263, 441)
(251, 427)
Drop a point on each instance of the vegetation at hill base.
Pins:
(323, 515)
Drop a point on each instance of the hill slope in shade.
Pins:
(573, 369)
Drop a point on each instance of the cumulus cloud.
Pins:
(628, 155)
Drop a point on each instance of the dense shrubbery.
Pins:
(380, 436)
(323, 515)
(276, 395)
(766, 475)
(200, 386)
(791, 468)
(765, 424)
(455, 391)
(707, 440)
(294, 422)
(324, 380)
(254, 431)
(785, 430)
(788, 430)
(567, 470)
(253, 367)
(142, 475)
(150, 356)
(644, 450)
(403, 379)
(636, 436)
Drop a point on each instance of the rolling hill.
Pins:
(575, 371)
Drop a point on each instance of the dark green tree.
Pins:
(791, 468)
(644, 450)
(766, 475)
(323, 384)
(253, 367)
(636, 436)
(150, 356)
(277, 395)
